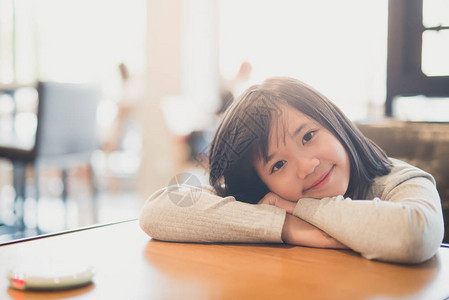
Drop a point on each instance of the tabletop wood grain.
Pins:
(130, 265)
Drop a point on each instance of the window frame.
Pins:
(404, 72)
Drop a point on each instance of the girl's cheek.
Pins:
(288, 190)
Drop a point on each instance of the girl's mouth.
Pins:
(322, 181)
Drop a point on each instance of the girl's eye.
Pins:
(308, 136)
(278, 165)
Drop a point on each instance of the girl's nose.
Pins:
(306, 166)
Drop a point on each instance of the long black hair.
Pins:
(244, 131)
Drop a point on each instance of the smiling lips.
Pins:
(322, 180)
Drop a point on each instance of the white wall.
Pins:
(182, 64)
(163, 70)
(162, 78)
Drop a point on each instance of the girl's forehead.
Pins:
(287, 122)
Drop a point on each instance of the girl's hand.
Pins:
(298, 232)
(276, 200)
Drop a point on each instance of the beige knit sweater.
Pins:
(399, 221)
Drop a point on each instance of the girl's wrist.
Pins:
(298, 232)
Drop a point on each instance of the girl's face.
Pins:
(305, 160)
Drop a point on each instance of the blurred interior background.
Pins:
(163, 71)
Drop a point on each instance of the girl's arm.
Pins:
(298, 232)
(405, 224)
(189, 214)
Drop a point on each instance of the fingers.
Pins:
(270, 198)
(267, 199)
(287, 205)
(276, 200)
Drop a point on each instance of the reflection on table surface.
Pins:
(130, 265)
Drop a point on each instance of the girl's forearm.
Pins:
(298, 232)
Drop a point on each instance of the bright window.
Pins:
(338, 47)
(435, 38)
(71, 40)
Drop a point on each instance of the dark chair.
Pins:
(66, 135)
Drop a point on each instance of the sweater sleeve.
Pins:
(404, 225)
(197, 215)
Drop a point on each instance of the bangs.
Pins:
(262, 118)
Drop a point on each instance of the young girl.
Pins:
(286, 165)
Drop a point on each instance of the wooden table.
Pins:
(129, 265)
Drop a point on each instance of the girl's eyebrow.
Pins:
(298, 130)
(295, 133)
